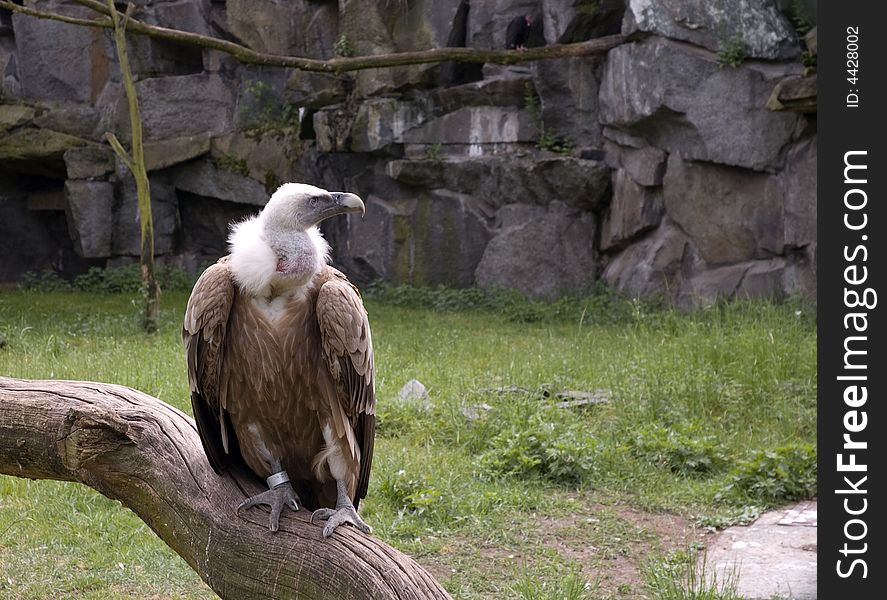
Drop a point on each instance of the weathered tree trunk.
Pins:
(136, 449)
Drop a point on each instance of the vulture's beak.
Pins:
(348, 203)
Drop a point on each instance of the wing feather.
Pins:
(348, 350)
(203, 335)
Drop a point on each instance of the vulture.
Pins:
(518, 32)
(280, 361)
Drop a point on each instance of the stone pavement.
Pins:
(774, 557)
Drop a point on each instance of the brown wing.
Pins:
(348, 349)
(203, 334)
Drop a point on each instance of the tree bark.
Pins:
(136, 449)
(340, 64)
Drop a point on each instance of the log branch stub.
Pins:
(146, 454)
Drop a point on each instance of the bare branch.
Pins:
(55, 16)
(146, 454)
(345, 64)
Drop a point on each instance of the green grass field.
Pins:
(501, 494)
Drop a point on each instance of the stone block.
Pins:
(681, 101)
(15, 115)
(731, 214)
(501, 180)
(57, 61)
(547, 253)
(37, 151)
(757, 25)
(126, 228)
(634, 209)
(653, 265)
(88, 162)
(89, 214)
(206, 178)
(184, 105)
(381, 122)
(476, 125)
(160, 154)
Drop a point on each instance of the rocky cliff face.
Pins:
(656, 168)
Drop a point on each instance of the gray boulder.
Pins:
(266, 156)
(436, 238)
(332, 128)
(799, 183)
(56, 60)
(37, 151)
(750, 279)
(15, 115)
(10, 86)
(498, 181)
(543, 252)
(756, 25)
(731, 214)
(795, 93)
(381, 122)
(81, 120)
(88, 162)
(153, 57)
(386, 27)
(289, 28)
(681, 101)
(88, 211)
(125, 224)
(205, 178)
(633, 210)
(315, 90)
(476, 125)
(495, 91)
(645, 165)
(161, 154)
(184, 15)
(568, 91)
(176, 106)
(414, 394)
(654, 265)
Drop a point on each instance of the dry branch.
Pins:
(341, 64)
(136, 449)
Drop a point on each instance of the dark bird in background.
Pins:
(518, 32)
(280, 361)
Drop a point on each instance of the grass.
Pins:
(499, 491)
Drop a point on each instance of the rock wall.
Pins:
(656, 168)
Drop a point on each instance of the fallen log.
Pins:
(138, 450)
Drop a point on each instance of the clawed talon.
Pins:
(277, 498)
(334, 518)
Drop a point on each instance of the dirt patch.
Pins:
(609, 543)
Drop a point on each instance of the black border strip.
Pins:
(851, 261)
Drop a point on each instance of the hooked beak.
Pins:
(348, 203)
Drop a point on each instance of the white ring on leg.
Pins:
(277, 479)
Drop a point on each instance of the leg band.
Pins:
(277, 479)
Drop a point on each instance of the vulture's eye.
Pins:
(313, 202)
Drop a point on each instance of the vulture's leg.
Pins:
(280, 493)
(343, 513)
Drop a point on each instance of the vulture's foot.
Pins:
(277, 497)
(338, 516)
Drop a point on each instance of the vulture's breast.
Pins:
(278, 381)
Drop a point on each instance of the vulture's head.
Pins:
(299, 207)
(282, 247)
